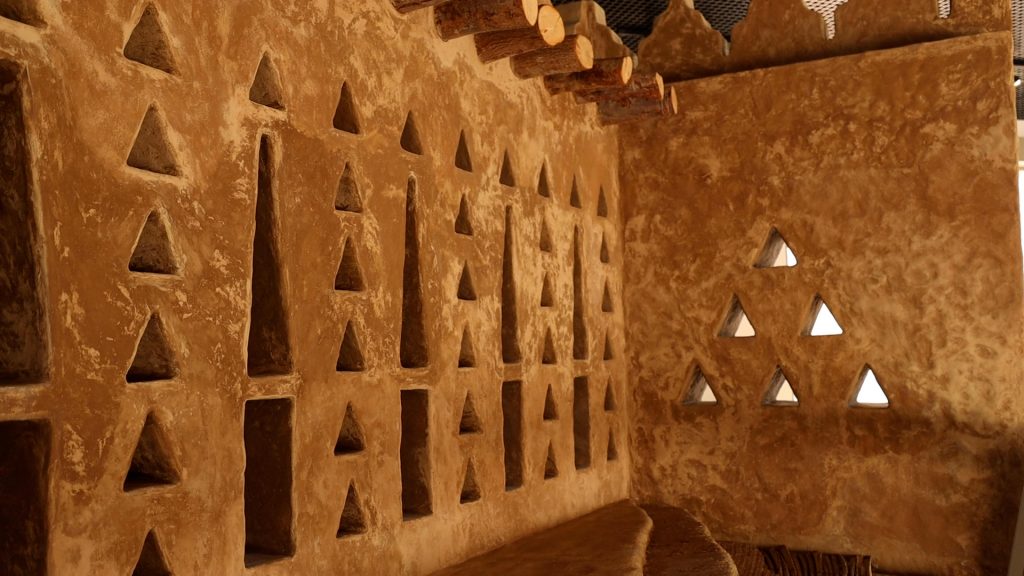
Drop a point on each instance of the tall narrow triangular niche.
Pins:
(470, 488)
(151, 150)
(152, 461)
(153, 358)
(543, 184)
(350, 438)
(467, 354)
(780, 391)
(352, 521)
(700, 391)
(350, 356)
(736, 323)
(148, 44)
(24, 11)
(605, 255)
(550, 464)
(574, 195)
(349, 277)
(869, 392)
(508, 176)
(469, 422)
(346, 118)
(413, 350)
(609, 351)
(613, 451)
(821, 321)
(411, 136)
(606, 301)
(463, 161)
(463, 220)
(602, 203)
(348, 198)
(550, 407)
(546, 245)
(153, 253)
(776, 253)
(466, 289)
(609, 397)
(151, 560)
(548, 355)
(266, 85)
(547, 298)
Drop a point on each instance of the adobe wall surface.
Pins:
(231, 334)
(892, 177)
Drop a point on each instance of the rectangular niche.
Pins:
(415, 454)
(512, 432)
(581, 421)
(24, 481)
(24, 353)
(269, 518)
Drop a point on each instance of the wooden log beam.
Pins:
(459, 18)
(548, 31)
(575, 54)
(406, 6)
(606, 73)
(647, 86)
(612, 112)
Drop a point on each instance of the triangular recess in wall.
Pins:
(613, 451)
(266, 85)
(350, 437)
(470, 488)
(348, 198)
(602, 203)
(869, 392)
(350, 276)
(546, 245)
(609, 397)
(547, 298)
(469, 422)
(153, 253)
(346, 118)
(24, 11)
(463, 160)
(550, 407)
(467, 354)
(153, 358)
(609, 352)
(580, 334)
(543, 183)
(152, 561)
(148, 43)
(466, 290)
(821, 321)
(574, 195)
(606, 299)
(508, 176)
(736, 324)
(463, 220)
(548, 355)
(776, 253)
(605, 256)
(700, 391)
(411, 136)
(511, 353)
(352, 520)
(350, 355)
(780, 391)
(413, 350)
(550, 465)
(151, 151)
(152, 461)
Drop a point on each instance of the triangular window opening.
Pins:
(348, 198)
(470, 489)
(613, 451)
(148, 44)
(606, 300)
(550, 465)
(411, 137)
(153, 253)
(153, 358)
(547, 298)
(508, 176)
(548, 355)
(467, 354)
(609, 397)
(609, 352)
(349, 277)
(463, 221)
(870, 393)
(543, 185)
(574, 195)
(151, 151)
(700, 393)
(776, 253)
(602, 203)
(152, 461)
(546, 245)
(463, 161)
(350, 355)
(605, 255)
(151, 560)
(266, 85)
(345, 117)
(781, 392)
(737, 324)
(466, 289)
(550, 407)
(352, 520)
(469, 422)
(350, 438)
(822, 321)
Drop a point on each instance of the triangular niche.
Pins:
(463, 220)
(869, 392)
(550, 464)
(606, 300)
(821, 321)
(776, 253)
(546, 245)
(613, 451)
(151, 151)
(348, 197)
(508, 176)
(350, 438)
(350, 355)
(266, 85)
(602, 203)
(700, 392)
(548, 355)
(469, 422)
(463, 161)
(152, 561)
(550, 407)
(609, 352)
(411, 136)
(470, 488)
(605, 255)
(152, 461)
(574, 195)
(153, 253)
(609, 397)
(148, 43)
(467, 353)
(466, 289)
(736, 323)
(346, 118)
(780, 391)
(543, 183)
(547, 298)
(349, 277)
(153, 358)
(352, 520)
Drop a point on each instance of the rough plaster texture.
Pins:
(84, 103)
(894, 183)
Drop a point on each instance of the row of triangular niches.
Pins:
(820, 321)
(867, 394)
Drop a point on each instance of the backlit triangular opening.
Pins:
(152, 462)
(700, 391)
(470, 489)
(411, 137)
(469, 422)
(148, 44)
(152, 150)
(153, 253)
(350, 355)
(346, 118)
(349, 277)
(352, 520)
(151, 560)
(348, 198)
(870, 393)
(736, 323)
(822, 322)
(776, 253)
(780, 391)
(350, 438)
(266, 85)
(463, 161)
(550, 407)
(153, 358)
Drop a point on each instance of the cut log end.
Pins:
(547, 32)
(458, 18)
(574, 55)
(612, 112)
(606, 74)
